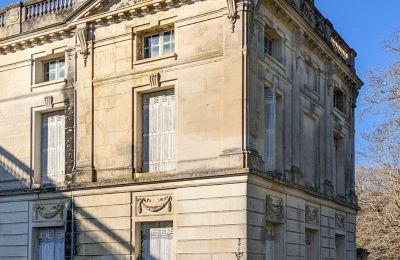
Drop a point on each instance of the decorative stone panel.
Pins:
(274, 208)
(312, 215)
(49, 212)
(340, 221)
(154, 205)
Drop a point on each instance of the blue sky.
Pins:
(365, 25)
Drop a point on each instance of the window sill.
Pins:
(275, 61)
(148, 60)
(49, 83)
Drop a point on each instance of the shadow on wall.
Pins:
(14, 174)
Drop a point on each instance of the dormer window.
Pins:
(273, 46)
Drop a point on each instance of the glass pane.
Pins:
(52, 75)
(52, 65)
(46, 68)
(147, 41)
(155, 51)
(61, 73)
(147, 53)
(46, 77)
(167, 48)
(167, 37)
(155, 39)
(61, 64)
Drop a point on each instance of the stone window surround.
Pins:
(138, 93)
(158, 25)
(36, 122)
(277, 35)
(37, 67)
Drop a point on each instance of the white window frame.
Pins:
(161, 44)
(56, 70)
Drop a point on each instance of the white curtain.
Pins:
(53, 147)
(157, 241)
(51, 244)
(270, 128)
(158, 119)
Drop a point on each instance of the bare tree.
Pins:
(378, 186)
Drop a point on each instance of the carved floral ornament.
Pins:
(48, 212)
(152, 205)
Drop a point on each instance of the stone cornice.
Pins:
(65, 29)
(292, 16)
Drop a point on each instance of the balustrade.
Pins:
(47, 7)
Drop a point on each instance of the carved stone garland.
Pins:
(147, 203)
(312, 215)
(232, 15)
(274, 208)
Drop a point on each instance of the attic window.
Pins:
(273, 46)
(338, 99)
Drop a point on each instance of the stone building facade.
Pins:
(175, 129)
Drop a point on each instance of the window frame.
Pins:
(161, 43)
(57, 69)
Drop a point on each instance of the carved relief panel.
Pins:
(340, 221)
(51, 212)
(154, 205)
(274, 209)
(312, 215)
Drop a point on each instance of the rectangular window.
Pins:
(53, 147)
(340, 242)
(273, 241)
(339, 162)
(157, 240)
(158, 126)
(268, 43)
(51, 243)
(309, 149)
(158, 44)
(338, 99)
(54, 70)
(312, 244)
(270, 126)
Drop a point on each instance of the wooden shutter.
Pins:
(51, 244)
(270, 128)
(53, 147)
(158, 119)
(157, 241)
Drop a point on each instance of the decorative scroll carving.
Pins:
(82, 35)
(312, 215)
(340, 221)
(51, 212)
(154, 205)
(274, 208)
(48, 101)
(155, 80)
(232, 16)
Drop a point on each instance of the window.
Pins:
(51, 243)
(273, 140)
(53, 147)
(158, 44)
(312, 77)
(158, 126)
(54, 70)
(338, 99)
(312, 244)
(156, 238)
(309, 149)
(340, 242)
(339, 161)
(273, 44)
(273, 241)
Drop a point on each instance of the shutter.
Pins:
(157, 241)
(270, 125)
(158, 119)
(53, 147)
(51, 244)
